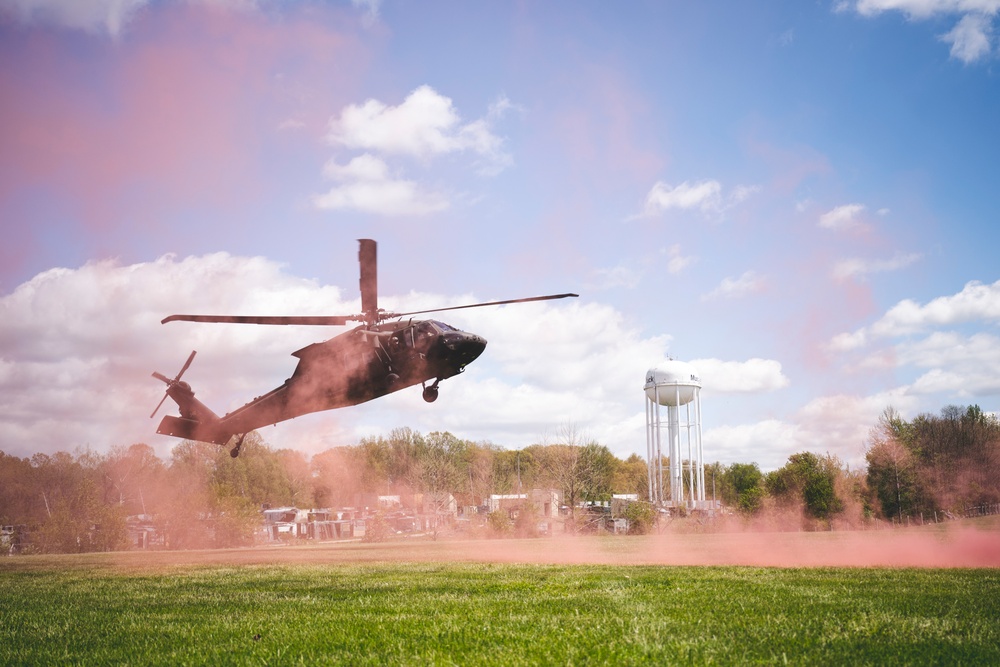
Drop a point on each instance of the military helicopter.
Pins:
(374, 359)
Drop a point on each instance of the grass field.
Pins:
(375, 604)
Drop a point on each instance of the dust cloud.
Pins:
(931, 547)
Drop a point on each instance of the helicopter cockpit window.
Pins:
(443, 327)
(423, 334)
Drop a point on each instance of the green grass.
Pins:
(488, 614)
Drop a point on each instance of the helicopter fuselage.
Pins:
(354, 367)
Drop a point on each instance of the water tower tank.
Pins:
(676, 380)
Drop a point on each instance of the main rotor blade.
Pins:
(368, 260)
(318, 320)
(489, 303)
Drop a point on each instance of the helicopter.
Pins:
(374, 359)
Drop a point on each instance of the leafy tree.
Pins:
(808, 480)
(236, 520)
(630, 476)
(596, 466)
(745, 484)
(641, 517)
(949, 461)
(499, 522)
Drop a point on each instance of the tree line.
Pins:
(81, 502)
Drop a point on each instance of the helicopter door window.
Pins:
(425, 333)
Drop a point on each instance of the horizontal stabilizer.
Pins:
(189, 429)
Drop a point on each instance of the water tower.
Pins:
(675, 385)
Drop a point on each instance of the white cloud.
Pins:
(750, 376)
(972, 37)
(663, 196)
(845, 342)
(768, 443)
(425, 125)
(110, 17)
(948, 348)
(95, 16)
(676, 262)
(958, 365)
(838, 424)
(364, 184)
(370, 8)
(976, 302)
(842, 217)
(742, 192)
(705, 196)
(733, 288)
(859, 268)
(923, 9)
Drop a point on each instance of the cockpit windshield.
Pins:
(443, 327)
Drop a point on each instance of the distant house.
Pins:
(143, 533)
(285, 523)
(436, 503)
(545, 501)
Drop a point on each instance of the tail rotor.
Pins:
(171, 383)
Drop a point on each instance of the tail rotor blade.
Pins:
(170, 383)
(159, 405)
(186, 365)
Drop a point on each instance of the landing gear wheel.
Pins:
(391, 379)
(235, 451)
(431, 393)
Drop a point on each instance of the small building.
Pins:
(285, 523)
(545, 501)
(143, 533)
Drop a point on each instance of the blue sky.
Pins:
(798, 198)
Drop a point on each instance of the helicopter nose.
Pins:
(466, 346)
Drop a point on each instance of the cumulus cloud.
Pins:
(976, 302)
(837, 424)
(364, 184)
(705, 196)
(860, 268)
(948, 363)
(844, 342)
(957, 364)
(734, 288)
(424, 125)
(753, 375)
(843, 217)
(971, 38)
